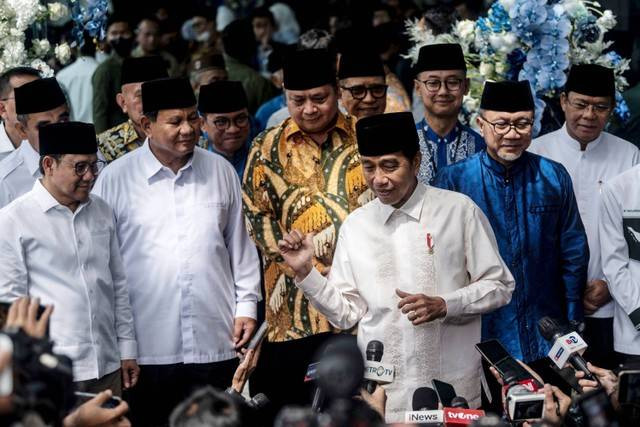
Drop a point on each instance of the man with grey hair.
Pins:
(38, 103)
(10, 139)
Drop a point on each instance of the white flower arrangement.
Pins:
(58, 11)
(63, 53)
(534, 40)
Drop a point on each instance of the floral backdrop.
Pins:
(23, 30)
(535, 40)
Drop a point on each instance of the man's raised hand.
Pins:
(297, 251)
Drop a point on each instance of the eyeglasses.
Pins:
(597, 108)
(434, 85)
(82, 168)
(224, 123)
(522, 127)
(360, 91)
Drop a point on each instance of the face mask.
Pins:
(122, 45)
(204, 36)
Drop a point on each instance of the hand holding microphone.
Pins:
(567, 346)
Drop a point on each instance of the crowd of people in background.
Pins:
(207, 168)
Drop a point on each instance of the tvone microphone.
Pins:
(459, 417)
(459, 402)
(374, 353)
(567, 346)
(425, 408)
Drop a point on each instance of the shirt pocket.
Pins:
(208, 221)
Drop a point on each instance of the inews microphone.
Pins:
(568, 346)
(425, 408)
(374, 353)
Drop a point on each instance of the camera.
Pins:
(523, 404)
(42, 380)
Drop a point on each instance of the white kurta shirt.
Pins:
(6, 146)
(190, 265)
(620, 240)
(18, 172)
(71, 260)
(75, 79)
(603, 159)
(381, 249)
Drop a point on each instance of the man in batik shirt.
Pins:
(441, 80)
(127, 136)
(303, 174)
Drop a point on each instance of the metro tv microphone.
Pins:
(425, 408)
(374, 353)
(567, 346)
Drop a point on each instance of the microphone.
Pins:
(425, 408)
(459, 402)
(374, 353)
(568, 346)
(459, 417)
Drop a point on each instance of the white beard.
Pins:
(509, 157)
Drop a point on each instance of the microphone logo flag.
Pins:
(425, 417)
(565, 346)
(379, 372)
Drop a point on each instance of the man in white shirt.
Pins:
(58, 243)
(10, 139)
(38, 103)
(75, 78)
(192, 271)
(416, 267)
(592, 157)
(620, 240)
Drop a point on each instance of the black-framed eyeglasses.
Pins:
(434, 85)
(599, 109)
(224, 123)
(82, 168)
(522, 127)
(360, 91)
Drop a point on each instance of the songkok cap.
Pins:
(222, 97)
(360, 64)
(306, 69)
(591, 80)
(38, 96)
(445, 56)
(68, 138)
(507, 96)
(387, 133)
(166, 94)
(207, 62)
(143, 69)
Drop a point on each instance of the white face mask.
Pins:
(204, 36)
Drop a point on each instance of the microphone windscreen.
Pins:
(548, 327)
(424, 399)
(375, 349)
(459, 402)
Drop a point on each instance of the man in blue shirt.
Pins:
(530, 204)
(226, 121)
(441, 80)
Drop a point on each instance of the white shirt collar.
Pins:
(151, 165)
(6, 145)
(30, 157)
(412, 207)
(574, 144)
(46, 201)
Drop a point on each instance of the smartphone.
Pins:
(257, 337)
(498, 357)
(4, 313)
(82, 397)
(597, 409)
(445, 392)
(629, 386)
